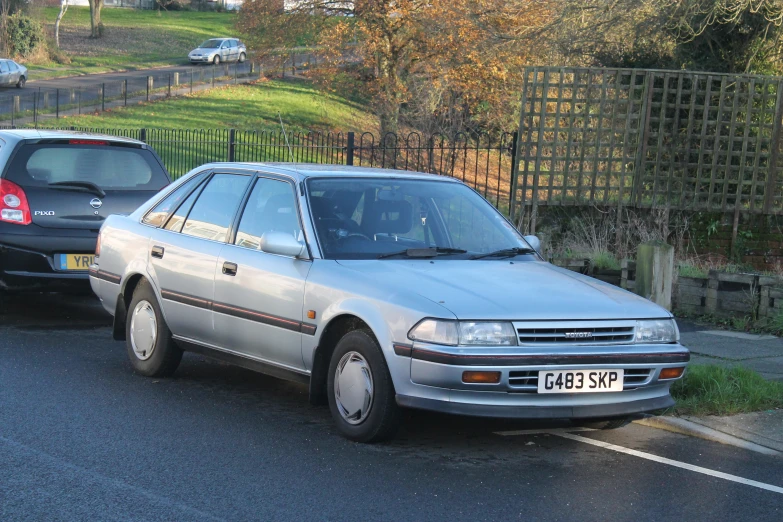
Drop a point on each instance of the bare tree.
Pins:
(63, 9)
(95, 18)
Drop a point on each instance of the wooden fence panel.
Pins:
(648, 138)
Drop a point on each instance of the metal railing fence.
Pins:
(482, 161)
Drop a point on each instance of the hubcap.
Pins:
(144, 330)
(353, 388)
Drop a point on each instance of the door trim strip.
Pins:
(242, 313)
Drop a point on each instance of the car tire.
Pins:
(372, 416)
(242, 57)
(151, 348)
(21, 82)
(606, 424)
(216, 60)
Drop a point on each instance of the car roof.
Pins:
(303, 171)
(38, 134)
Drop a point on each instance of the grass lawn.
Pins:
(245, 107)
(133, 39)
(715, 390)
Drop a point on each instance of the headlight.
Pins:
(657, 331)
(436, 332)
(469, 333)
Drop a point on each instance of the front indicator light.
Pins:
(481, 377)
(672, 373)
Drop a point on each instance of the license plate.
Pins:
(76, 261)
(580, 381)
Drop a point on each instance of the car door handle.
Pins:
(157, 251)
(230, 268)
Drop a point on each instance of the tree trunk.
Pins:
(95, 18)
(389, 109)
(63, 9)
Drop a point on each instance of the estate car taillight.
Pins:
(98, 247)
(13, 204)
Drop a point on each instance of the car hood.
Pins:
(494, 289)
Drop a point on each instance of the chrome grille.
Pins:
(524, 381)
(527, 381)
(636, 376)
(573, 333)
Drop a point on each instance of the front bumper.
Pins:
(583, 411)
(435, 380)
(200, 59)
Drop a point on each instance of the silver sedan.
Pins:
(218, 50)
(378, 289)
(12, 74)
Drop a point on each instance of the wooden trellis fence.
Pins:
(648, 138)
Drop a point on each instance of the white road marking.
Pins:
(670, 462)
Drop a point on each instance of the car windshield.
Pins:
(364, 218)
(210, 44)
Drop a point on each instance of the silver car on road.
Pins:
(218, 50)
(378, 289)
(12, 74)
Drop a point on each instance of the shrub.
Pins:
(25, 35)
(604, 261)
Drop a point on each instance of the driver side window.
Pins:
(270, 208)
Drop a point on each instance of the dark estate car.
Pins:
(56, 189)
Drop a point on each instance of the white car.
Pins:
(218, 50)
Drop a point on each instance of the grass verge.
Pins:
(133, 39)
(244, 107)
(716, 390)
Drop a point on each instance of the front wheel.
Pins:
(360, 390)
(151, 349)
(21, 82)
(216, 60)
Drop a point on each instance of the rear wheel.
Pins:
(21, 82)
(151, 349)
(360, 390)
(242, 57)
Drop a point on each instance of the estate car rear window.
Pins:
(109, 167)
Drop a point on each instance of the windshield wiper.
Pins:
(506, 252)
(425, 252)
(85, 186)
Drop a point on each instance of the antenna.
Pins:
(290, 151)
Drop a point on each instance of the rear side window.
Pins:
(175, 223)
(157, 215)
(215, 207)
(109, 167)
(3, 66)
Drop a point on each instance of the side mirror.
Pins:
(534, 242)
(282, 244)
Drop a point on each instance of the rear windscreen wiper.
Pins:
(424, 252)
(86, 186)
(506, 252)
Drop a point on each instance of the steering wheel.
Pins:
(357, 234)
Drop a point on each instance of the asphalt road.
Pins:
(93, 79)
(82, 437)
